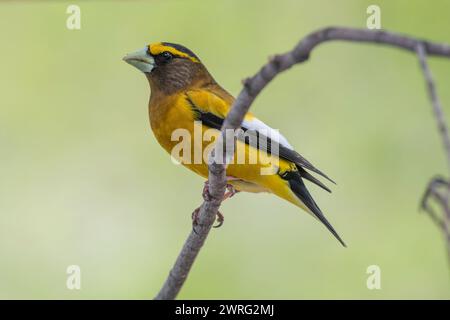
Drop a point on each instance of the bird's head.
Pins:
(169, 67)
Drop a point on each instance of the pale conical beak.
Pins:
(141, 60)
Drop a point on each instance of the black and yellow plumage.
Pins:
(183, 92)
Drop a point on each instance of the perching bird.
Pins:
(183, 92)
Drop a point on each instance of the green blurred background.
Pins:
(83, 181)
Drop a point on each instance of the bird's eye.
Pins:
(167, 55)
(164, 57)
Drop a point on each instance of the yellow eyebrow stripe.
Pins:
(158, 48)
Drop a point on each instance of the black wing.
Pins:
(258, 140)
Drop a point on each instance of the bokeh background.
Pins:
(83, 181)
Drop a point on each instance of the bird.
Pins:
(184, 93)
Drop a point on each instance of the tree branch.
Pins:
(432, 190)
(436, 103)
(252, 87)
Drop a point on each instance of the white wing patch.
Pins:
(263, 128)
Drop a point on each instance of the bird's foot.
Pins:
(195, 217)
(231, 191)
(220, 220)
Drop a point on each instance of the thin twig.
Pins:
(436, 103)
(252, 87)
(443, 131)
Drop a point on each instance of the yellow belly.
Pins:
(175, 127)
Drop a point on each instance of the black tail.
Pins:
(299, 188)
(305, 174)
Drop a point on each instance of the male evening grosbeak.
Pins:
(184, 92)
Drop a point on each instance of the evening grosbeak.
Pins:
(183, 92)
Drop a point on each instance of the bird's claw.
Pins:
(231, 191)
(195, 216)
(220, 220)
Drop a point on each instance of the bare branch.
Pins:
(444, 222)
(432, 190)
(436, 103)
(252, 87)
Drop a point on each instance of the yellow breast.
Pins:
(174, 125)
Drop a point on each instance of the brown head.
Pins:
(170, 67)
